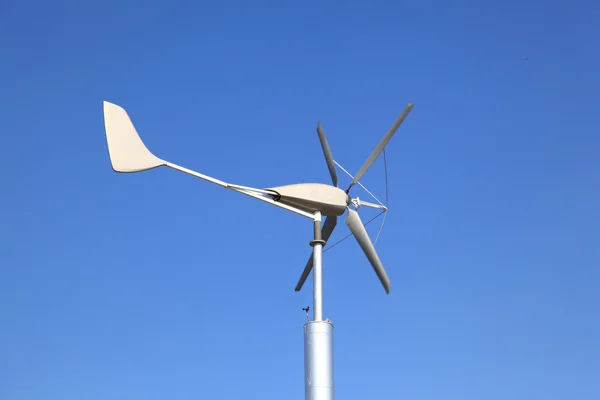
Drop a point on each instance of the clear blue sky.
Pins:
(161, 286)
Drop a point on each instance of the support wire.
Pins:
(372, 195)
(347, 236)
(386, 196)
(360, 184)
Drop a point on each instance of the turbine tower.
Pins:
(314, 201)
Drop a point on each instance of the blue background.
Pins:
(161, 286)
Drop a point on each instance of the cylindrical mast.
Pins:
(318, 361)
(318, 334)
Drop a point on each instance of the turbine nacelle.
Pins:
(312, 197)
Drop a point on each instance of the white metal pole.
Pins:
(318, 282)
(318, 334)
(317, 245)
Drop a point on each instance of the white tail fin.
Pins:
(125, 147)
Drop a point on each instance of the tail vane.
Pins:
(127, 151)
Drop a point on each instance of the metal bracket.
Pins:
(357, 203)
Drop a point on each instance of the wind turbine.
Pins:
(129, 154)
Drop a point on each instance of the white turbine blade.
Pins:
(326, 231)
(360, 233)
(328, 155)
(125, 147)
(384, 141)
